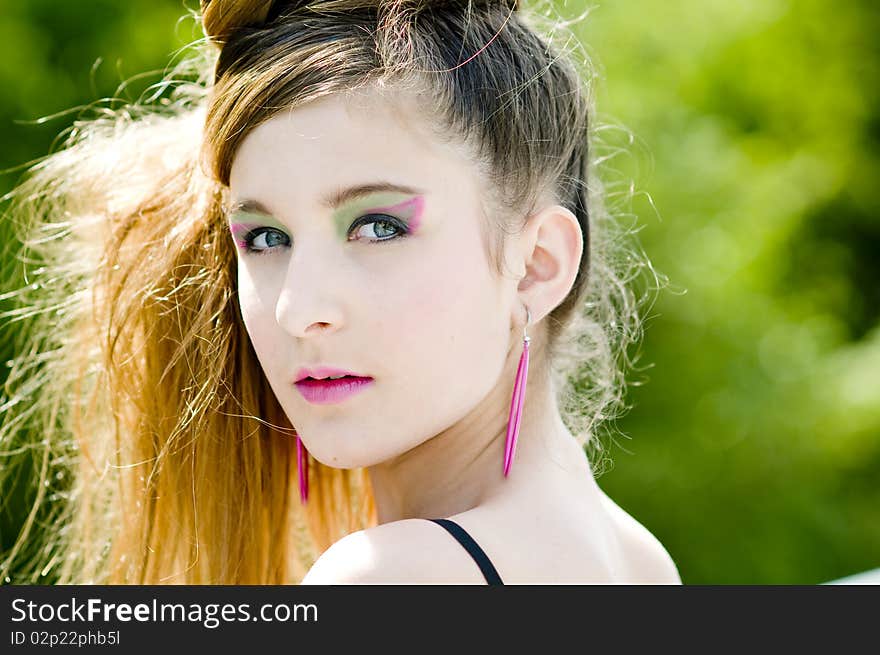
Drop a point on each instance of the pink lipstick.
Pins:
(326, 392)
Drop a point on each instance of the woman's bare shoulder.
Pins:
(409, 551)
(648, 561)
(416, 551)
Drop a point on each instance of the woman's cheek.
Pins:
(257, 317)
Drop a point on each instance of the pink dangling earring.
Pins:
(516, 403)
(302, 470)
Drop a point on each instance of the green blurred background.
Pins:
(753, 444)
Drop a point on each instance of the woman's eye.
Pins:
(263, 239)
(381, 228)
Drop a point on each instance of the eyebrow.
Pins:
(333, 199)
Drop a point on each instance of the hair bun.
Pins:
(220, 18)
(503, 4)
(500, 4)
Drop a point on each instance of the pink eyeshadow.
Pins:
(411, 210)
(239, 230)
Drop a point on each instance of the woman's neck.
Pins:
(461, 468)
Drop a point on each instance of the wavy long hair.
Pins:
(161, 453)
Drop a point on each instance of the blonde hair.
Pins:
(136, 370)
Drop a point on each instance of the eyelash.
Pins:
(248, 239)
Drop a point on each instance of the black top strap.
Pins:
(473, 549)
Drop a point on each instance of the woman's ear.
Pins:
(552, 244)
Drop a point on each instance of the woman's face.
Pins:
(347, 272)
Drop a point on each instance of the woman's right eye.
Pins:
(263, 240)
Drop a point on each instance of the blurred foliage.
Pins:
(755, 438)
(752, 450)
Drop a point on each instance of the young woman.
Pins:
(395, 193)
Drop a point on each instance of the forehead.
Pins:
(340, 140)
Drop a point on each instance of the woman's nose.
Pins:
(309, 302)
(304, 318)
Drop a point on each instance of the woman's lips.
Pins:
(326, 392)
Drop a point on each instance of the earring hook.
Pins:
(528, 320)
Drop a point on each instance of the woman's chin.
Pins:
(344, 461)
